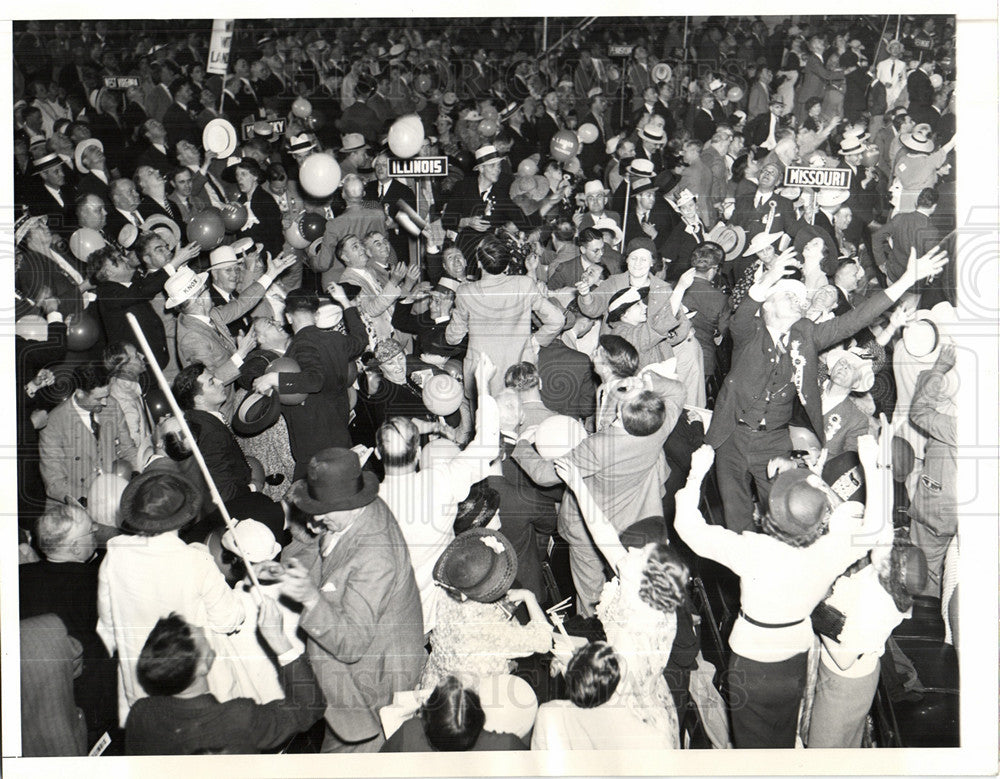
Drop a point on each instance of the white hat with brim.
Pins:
(219, 136)
(656, 136)
(245, 246)
(223, 257)
(300, 144)
(81, 147)
(732, 239)
(606, 223)
(353, 142)
(761, 241)
(684, 197)
(165, 226)
(254, 539)
(182, 286)
(487, 154)
(47, 162)
(595, 187)
(661, 72)
(918, 139)
(831, 198)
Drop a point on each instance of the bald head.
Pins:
(354, 188)
(398, 443)
(91, 212)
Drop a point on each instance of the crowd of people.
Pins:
(313, 455)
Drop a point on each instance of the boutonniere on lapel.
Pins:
(798, 368)
(832, 426)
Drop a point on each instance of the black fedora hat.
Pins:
(480, 564)
(256, 413)
(156, 502)
(334, 482)
(478, 508)
(796, 507)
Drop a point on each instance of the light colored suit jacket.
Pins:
(496, 313)
(366, 634)
(70, 455)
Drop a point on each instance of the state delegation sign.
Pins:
(823, 178)
(416, 167)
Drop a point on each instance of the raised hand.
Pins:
(278, 265)
(926, 266)
(946, 358)
(701, 461)
(183, 254)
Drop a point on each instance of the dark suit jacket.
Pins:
(35, 271)
(62, 219)
(750, 218)
(268, 231)
(360, 118)
(398, 238)
(223, 456)
(759, 128)
(567, 380)
(89, 184)
(751, 341)
(149, 207)
(464, 200)
(702, 126)
(429, 334)
(545, 128)
(114, 136)
(115, 300)
(147, 154)
(324, 357)
(180, 126)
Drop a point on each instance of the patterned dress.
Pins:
(643, 638)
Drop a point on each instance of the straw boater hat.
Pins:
(81, 147)
(300, 144)
(595, 187)
(641, 168)
(352, 142)
(643, 185)
(831, 198)
(47, 162)
(607, 223)
(684, 197)
(486, 154)
(254, 539)
(479, 565)
(165, 227)
(760, 241)
(918, 139)
(652, 135)
(732, 239)
(851, 144)
(183, 285)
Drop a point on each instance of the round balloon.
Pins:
(234, 217)
(488, 127)
(527, 167)
(311, 226)
(319, 175)
(82, 332)
(564, 145)
(294, 237)
(315, 121)
(207, 228)
(288, 365)
(442, 395)
(157, 404)
(587, 133)
(104, 497)
(301, 108)
(423, 83)
(406, 136)
(558, 435)
(84, 241)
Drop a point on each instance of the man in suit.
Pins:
(186, 203)
(428, 327)
(158, 98)
(759, 97)
(64, 583)
(153, 186)
(477, 75)
(201, 397)
(342, 578)
(754, 212)
(152, 148)
(593, 156)
(549, 123)
(762, 129)
(177, 119)
(202, 335)
(49, 196)
(816, 77)
(84, 436)
(892, 243)
(703, 121)
(122, 290)
(648, 216)
(325, 358)
(225, 273)
(387, 192)
(775, 367)
(124, 209)
(90, 161)
(359, 117)
(570, 272)
(482, 201)
(356, 220)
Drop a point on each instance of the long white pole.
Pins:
(179, 416)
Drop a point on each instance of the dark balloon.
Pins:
(312, 226)
(82, 332)
(234, 216)
(207, 228)
(157, 404)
